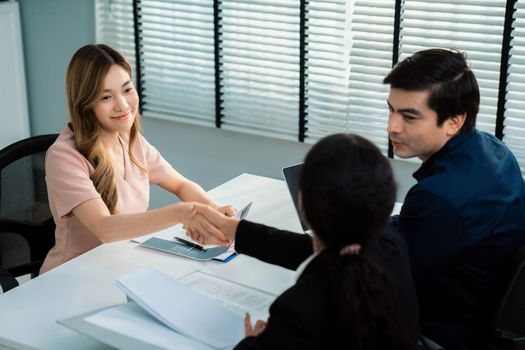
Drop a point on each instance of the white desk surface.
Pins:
(28, 313)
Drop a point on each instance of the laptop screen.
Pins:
(291, 176)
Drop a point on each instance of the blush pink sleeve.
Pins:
(68, 179)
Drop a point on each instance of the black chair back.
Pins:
(27, 229)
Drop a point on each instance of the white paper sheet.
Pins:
(235, 297)
(131, 321)
(181, 308)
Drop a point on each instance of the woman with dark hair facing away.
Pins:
(99, 170)
(354, 291)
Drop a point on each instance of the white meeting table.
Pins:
(28, 313)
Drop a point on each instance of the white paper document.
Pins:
(235, 297)
(181, 308)
(198, 311)
(131, 321)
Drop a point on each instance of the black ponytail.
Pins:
(367, 308)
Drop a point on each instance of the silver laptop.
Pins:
(291, 175)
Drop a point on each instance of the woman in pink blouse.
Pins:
(99, 170)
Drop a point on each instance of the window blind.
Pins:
(114, 27)
(514, 130)
(177, 60)
(259, 59)
(474, 26)
(253, 48)
(349, 53)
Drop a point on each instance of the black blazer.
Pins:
(302, 317)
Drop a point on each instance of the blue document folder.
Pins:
(173, 247)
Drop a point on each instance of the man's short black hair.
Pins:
(452, 84)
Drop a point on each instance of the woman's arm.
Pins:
(95, 215)
(69, 184)
(185, 189)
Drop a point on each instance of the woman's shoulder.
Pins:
(63, 151)
(65, 142)
(390, 254)
(388, 243)
(304, 312)
(312, 288)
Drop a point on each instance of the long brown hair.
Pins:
(84, 85)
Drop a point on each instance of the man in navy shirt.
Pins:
(466, 215)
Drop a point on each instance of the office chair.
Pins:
(510, 314)
(27, 229)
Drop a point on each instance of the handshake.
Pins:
(207, 224)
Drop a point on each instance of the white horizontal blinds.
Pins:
(514, 130)
(329, 42)
(259, 59)
(472, 26)
(115, 27)
(349, 54)
(177, 54)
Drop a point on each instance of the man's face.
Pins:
(412, 125)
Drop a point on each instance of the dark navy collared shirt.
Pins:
(462, 221)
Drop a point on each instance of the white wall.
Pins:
(52, 31)
(14, 116)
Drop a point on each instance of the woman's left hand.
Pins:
(260, 325)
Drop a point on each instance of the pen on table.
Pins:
(191, 244)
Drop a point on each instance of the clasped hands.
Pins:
(208, 224)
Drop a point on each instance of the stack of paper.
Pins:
(182, 309)
(199, 311)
